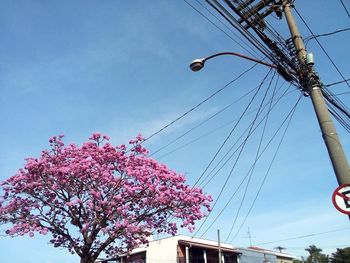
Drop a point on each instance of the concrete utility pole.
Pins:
(250, 237)
(329, 134)
(219, 247)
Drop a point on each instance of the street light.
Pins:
(198, 63)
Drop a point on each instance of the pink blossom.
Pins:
(100, 190)
(96, 136)
(106, 137)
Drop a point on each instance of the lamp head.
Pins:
(197, 64)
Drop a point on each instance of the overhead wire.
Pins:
(336, 102)
(342, 93)
(203, 122)
(337, 108)
(321, 46)
(267, 29)
(345, 125)
(256, 156)
(272, 32)
(243, 180)
(203, 136)
(176, 120)
(205, 180)
(336, 83)
(272, 60)
(232, 147)
(271, 49)
(203, 184)
(305, 236)
(230, 29)
(200, 103)
(219, 29)
(334, 246)
(251, 51)
(194, 140)
(339, 111)
(338, 116)
(307, 39)
(233, 129)
(241, 148)
(346, 10)
(220, 148)
(269, 168)
(230, 19)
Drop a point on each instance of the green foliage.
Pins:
(315, 255)
(342, 255)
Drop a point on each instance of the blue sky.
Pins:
(120, 68)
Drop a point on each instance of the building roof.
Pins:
(267, 251)
(208, 245)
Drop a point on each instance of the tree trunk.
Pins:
(87, 259)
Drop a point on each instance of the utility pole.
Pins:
(250, 237)
(219, 247)
(313, 86)
(295, 68)
(290, 58)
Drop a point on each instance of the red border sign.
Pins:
(341, 199)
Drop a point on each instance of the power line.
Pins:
(203, 122)
(307, 39)
(207, 134)
(200, 103)
(246, 176)
(256, 157)
(337, 108)
(233, 129)
(229, 158)
(244, 141)
(336, 83)
(323, 246)
(342, 93)
(269, 38)
(346, 10)
(324, 51)
(305, 236)
(336, 102)
(219, 28)
(220, 148)
(230, 19)
(249, 172)
(291, 113)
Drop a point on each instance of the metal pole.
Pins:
(205, 256)
(219, 246)
(329, 134)
(187, 253)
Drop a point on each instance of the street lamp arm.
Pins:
(241, 56)
(198, 64)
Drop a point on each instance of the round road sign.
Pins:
(341, 199)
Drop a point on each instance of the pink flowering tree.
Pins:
(98, 198)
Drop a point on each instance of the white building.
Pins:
(180, 249)
(184, 249)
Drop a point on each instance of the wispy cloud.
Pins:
(148, 124)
